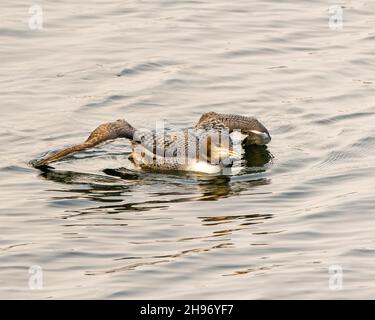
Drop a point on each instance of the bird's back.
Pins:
(188, 150)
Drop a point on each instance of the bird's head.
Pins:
(256, 133)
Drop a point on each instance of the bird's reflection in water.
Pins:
(113, 185)
(256, 156)
(111, 191)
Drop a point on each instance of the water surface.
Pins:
(99, 230)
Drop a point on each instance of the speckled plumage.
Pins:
(175, 149)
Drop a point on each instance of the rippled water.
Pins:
(98, 229)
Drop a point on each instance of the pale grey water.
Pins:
(271, 232)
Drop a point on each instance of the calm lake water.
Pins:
(97, 229)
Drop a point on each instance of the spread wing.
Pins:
(103, 133)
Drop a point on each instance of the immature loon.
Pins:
(206, 147)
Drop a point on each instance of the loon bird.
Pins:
(207, 147)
